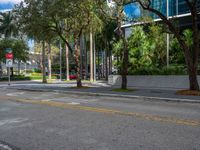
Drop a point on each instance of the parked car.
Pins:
(72, 75)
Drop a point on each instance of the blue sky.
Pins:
(8, 4)
(131, 10)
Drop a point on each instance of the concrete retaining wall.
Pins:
(165, 81)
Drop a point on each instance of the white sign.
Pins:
(9, 62)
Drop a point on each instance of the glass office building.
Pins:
(167, 7)
(173, 8)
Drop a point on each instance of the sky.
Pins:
(8, 4)
(131, 10)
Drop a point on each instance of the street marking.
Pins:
(45, 100)
(5, 147)
(143, 116)
(12, 121)
(73, 103)
(15, 94)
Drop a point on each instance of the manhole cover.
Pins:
(6, 146)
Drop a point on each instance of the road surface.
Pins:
(34, 120)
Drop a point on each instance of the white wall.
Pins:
(162, 81)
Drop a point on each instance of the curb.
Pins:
(147, 98)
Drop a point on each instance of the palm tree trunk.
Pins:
(44, 80)
(49, 60)
(19, 65)
(1, 71)
(86, 58)
(67, 63)
(91, 58)
(77, 59)
(193, 78)
(106, 62)
(124, 68)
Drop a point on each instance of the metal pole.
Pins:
(167, 49)
(60, 61)
(8, 76)
(167, 34)
(177, 7)
(25, 68)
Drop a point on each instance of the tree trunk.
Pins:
(77, 58)
(124, 65)
(19, 65)
(1, 71)
(44, 80)
(86, 59)
(192, 71)
(106, 61)
(49, 60)
(191, 58)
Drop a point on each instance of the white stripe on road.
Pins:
(15, 94)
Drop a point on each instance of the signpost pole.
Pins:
(9, 62)
(8, 76)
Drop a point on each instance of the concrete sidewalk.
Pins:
(103, 89)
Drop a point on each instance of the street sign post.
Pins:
(9, 55)
(9, 62)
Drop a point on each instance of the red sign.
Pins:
(9, 56)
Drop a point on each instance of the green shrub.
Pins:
(15, 78)
(36, 70)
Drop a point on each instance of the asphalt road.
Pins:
(53, 121)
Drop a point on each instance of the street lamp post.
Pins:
(167, 11)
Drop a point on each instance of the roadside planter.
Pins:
(151, 81)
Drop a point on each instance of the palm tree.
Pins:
(7, 25)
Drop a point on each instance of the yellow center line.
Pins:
(172, 120)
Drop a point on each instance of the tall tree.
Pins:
(7, 27)
(7, 24)
(61, 17)
(117, 14)
(191, 56)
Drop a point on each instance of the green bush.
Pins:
(36, 70)
(15, 78)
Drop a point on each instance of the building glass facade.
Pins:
(175, 7)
